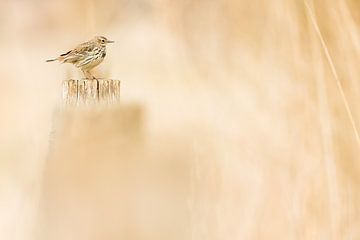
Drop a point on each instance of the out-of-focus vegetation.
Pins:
(244, 132)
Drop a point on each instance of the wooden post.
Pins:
(100, 167)
(89, 92)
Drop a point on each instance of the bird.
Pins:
(86, 56)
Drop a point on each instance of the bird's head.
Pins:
(102, 40)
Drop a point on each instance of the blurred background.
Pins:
(234, 121)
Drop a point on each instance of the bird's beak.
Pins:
(109, 41)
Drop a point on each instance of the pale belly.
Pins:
(89, 63)
(92, 64)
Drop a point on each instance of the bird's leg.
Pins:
(85, 74)
(92, 76)
(88, 75)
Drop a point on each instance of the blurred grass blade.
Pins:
(333, 70)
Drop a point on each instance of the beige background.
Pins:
(237, 94)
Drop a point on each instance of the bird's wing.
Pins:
(77, 54)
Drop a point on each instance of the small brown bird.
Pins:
(86, 56)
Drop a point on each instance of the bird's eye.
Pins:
(102, 40)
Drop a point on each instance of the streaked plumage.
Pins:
(86, 56)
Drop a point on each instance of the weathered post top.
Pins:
(87, 92)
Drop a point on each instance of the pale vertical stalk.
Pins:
(334, 72)
(326, 132)
(328, 154)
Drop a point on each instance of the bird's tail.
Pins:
(51, 60)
